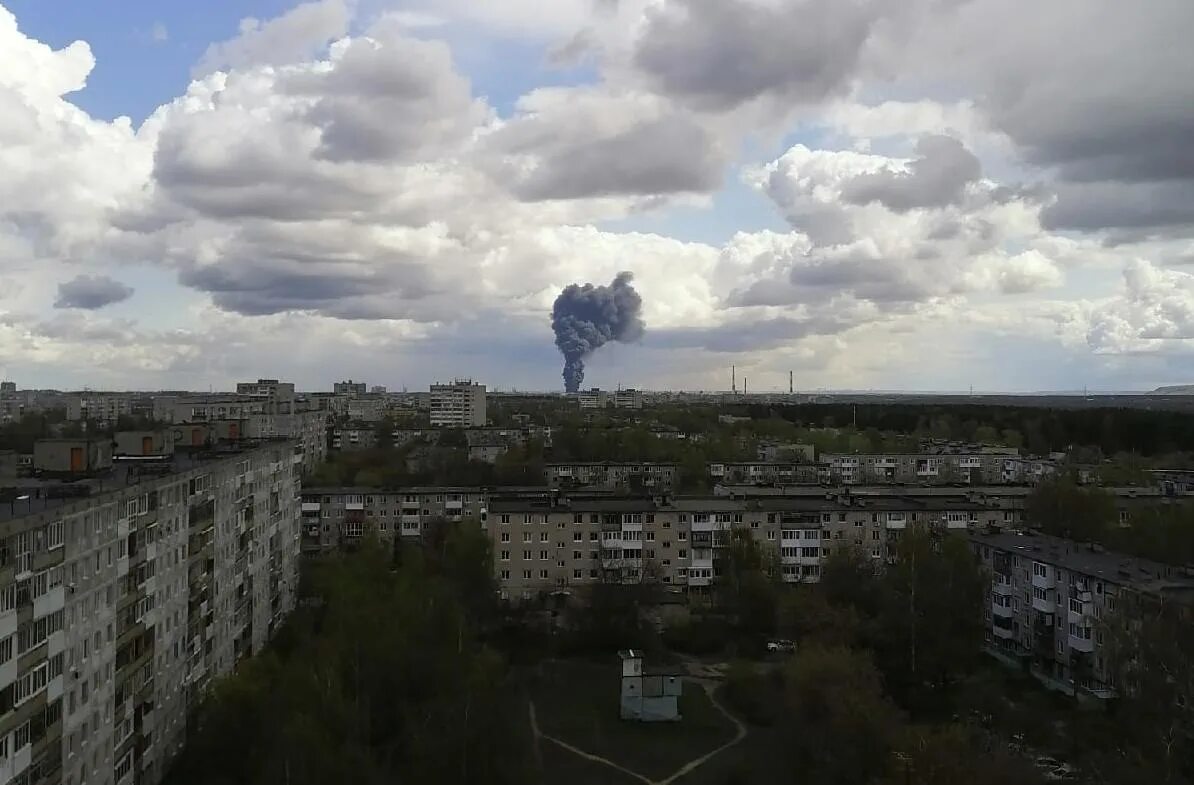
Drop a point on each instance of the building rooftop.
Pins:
(22, 496)
(1092, 560)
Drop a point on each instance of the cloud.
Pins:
(936, 178)
(91, 292)
(719, 55)
(158, 33)
(296, 35)
(1153, 312)
(584, 143)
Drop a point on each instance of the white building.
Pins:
(458, 405)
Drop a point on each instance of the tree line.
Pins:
(1039, 430)
(382, 676)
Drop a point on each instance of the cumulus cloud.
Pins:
(717, 56)
(91, 292)
(937, 177)
(583, 143)
(296, 35)
(355, 195)
(1153, 312)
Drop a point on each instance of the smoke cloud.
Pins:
(587, 317)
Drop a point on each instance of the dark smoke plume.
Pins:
(585, 318)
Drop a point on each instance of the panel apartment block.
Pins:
(123, 595)
(546, 540)
(1048, 596)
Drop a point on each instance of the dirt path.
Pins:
(708, 686)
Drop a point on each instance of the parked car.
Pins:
(781, 646)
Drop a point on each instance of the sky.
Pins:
(870, 194)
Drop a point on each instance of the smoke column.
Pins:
(587, 317)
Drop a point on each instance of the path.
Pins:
(707, 685)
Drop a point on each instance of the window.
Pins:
(505, 575)
(544, 555)
(505, 555)
(683, 553)
(543, 574)
(1075, 605)
(505, 536)
(526, 536)
(576, 555)
(578, 536)
(528, 555)
(543, 537)
(504, 519)
(771, 534)
(650, 517)
(526, 575)
(1040, 570)
(578, 517)
(682, 536)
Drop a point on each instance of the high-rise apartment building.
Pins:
(124, 592)
(458, 405)
(349, 388)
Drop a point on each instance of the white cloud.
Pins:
(349, 194)
(296, 35)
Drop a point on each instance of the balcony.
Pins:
(1006, 633)
(704, 526)
(897, 525)
(1046, 581)
(1001, 610)
(1002, 585)
(1046, 605)
(1082, 642)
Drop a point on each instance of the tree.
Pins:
(389, 683)
(849, 578)
(1062, 507)
(806, 616)
(929, 630)
(1149, 652)
(839, 726)
(748, 587)
(952, 754)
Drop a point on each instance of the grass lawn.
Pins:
(577, 702)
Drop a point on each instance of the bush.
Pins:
(756, 696)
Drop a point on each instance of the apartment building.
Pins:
(122, 595)
(367, 408)
(100, 407)
(458, 405)
(559, 542)
(350, 388)
(596, 398)
(353, 437)
(764, 473)
(1048, 596)
(546, 540)
(334, 517)
(626, 476)
(267, 409)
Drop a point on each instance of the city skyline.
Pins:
(874, 197)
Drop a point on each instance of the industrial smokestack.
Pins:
(734, 379)
(587, 317)
(790, 387)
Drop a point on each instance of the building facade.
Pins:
(350, 388)
(1048, 597)
(458, 405)
(626, 476)
(118, 607)
(546, 540)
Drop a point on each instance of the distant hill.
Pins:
(1175, 389)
